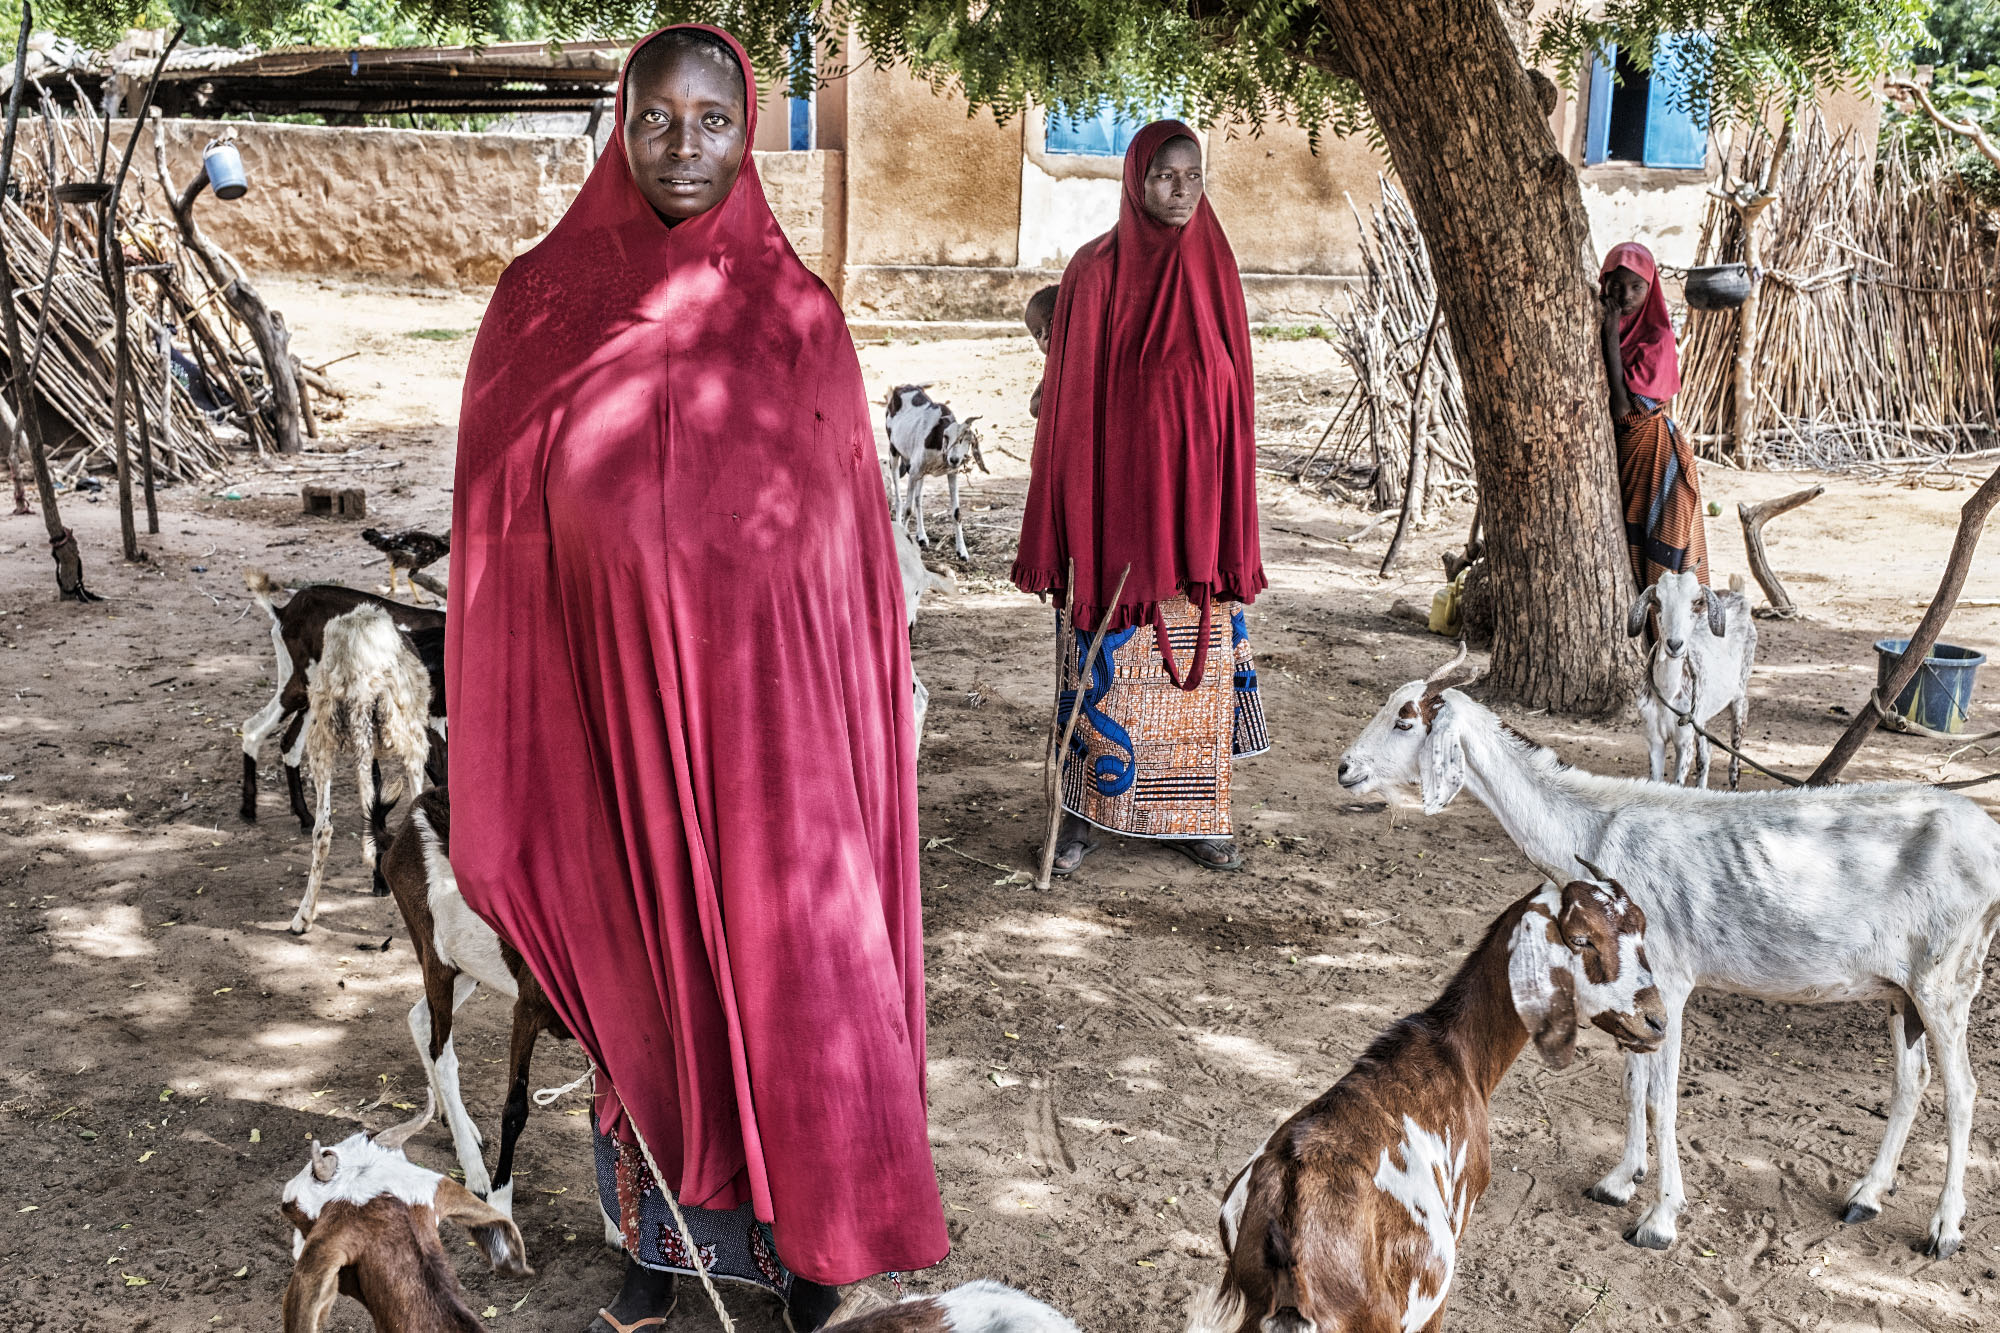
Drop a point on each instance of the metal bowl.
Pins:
(1717, 287)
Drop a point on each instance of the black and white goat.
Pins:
(1350, 1215)
(457, 952)
(297, 630)
(927, 441)
(365, 1222)
(369, 698)
(1879, 891)
(1700, 664)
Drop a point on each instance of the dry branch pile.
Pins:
(1880, 305)
(1382, 335)
(60, 154)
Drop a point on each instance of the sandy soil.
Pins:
(1103, 1056)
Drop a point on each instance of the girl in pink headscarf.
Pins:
(1656, 468)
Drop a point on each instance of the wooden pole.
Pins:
(1750, 205)
(1076, 710)
(1971, 522)
(1413, 479)
(62, 542)
(1754, 517)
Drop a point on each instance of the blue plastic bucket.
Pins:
(1939, 696)
(225, 170)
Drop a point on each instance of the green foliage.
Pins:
(1764, 54)
(1964, 34)
(1962, 95)
(1247, 60)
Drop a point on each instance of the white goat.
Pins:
(1693, 672)
(368, 696)
(981, 1306)
(365, 1217)
(927, 441)
(1806, 895)
(917, 580)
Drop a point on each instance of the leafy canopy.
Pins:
(1963, 34)
(1247, 60)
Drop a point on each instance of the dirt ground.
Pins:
(1103, 1056)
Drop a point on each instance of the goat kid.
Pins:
(917, 580)
(975, 1307)
(1349, 1217)
(927, 440)
(367, 696)
(458, 951)
(1695, 672)
(1887, 891)
(365, 1223)
(297, 635)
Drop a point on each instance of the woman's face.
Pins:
(1626, 289)
(685, 129)
(1173, 182)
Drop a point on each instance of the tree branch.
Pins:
(1964, 129)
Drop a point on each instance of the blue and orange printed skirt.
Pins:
(1149, 759)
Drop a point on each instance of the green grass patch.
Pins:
(1291, 333)
(438, 335)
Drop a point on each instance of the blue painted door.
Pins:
(1674, 137)
(1597, 109)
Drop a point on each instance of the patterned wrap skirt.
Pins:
(1149, 759)
(734, 1245)
(1664, 531)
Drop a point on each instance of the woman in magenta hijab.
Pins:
(1656, 468)
(683, 762)
(1145, 470)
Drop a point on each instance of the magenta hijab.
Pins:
(1646, 337)
(683, 766)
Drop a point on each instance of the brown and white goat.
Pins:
(1349, 1217)
(298, 629)
(976, 1307)
(367, 697)
(458, 951)
(365, 1223)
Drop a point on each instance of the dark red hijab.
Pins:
(1146, 449)
(683, 768)
(1646, 337)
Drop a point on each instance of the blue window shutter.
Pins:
(1102, 134)
(802, 124)
(1597, 110)
(1674, 138)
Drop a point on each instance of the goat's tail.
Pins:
(1281, 1262)
(1736, 584)
(262, 586)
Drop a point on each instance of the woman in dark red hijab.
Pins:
(1146, 458)
(683, 762)
(1656, 468)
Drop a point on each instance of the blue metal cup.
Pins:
(224, 166)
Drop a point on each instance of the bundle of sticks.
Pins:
(1877, 316)
(219, 400)
(1392, 337)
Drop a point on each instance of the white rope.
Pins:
(548, 1096)
(687, 1238)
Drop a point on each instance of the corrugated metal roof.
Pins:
(515, 59)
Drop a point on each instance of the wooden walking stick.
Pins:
(1060, 738)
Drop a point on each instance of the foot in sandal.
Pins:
(1074, 841)
(810, 1305)
(642, 1305)
(1210, 853)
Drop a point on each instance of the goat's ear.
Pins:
(1543, 987)
(1718, 614)
(1441, 763)
(315, 1282)
(492, 1230)
(1636, 621)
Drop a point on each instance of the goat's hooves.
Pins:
(1935, 1247)
(248, 814)
(1860, 1212)
(1599, 1194)
(297, 928)
(1646, 1238)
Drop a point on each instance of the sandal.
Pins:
(619, 1326)
(1072, 845)
(1210, 853)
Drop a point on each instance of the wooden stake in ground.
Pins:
(62, 542)
(1971, 522)
(1750, 201)
(1754, 517)
(1061, 748)
(1414, 478)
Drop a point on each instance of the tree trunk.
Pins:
(1502, 213)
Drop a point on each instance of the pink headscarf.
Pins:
(1646, 337)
